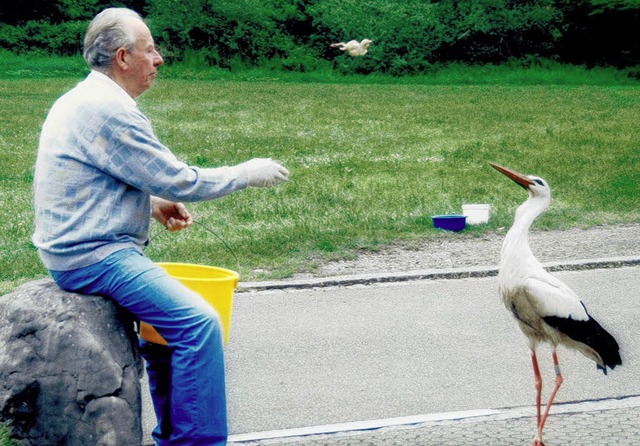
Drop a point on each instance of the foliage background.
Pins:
(410, 36)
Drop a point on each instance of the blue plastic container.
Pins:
(450, 222)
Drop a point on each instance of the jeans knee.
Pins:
(206, 329)
(214, 323)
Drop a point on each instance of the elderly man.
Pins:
(100, 174)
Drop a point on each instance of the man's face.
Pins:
(143, 60)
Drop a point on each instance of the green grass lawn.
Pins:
(370, 162)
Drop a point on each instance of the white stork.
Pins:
(354, 47)
(545, 308)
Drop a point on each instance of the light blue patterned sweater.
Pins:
(98, 164)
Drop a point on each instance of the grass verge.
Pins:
(370, 162)
(5, 439)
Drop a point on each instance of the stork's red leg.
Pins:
(538, 382)
(559, 380)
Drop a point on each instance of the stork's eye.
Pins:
(539, 182)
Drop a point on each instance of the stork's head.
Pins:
(365, 43)
(536, 186)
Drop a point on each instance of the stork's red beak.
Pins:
(518, 177)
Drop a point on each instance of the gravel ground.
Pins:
(460, 249)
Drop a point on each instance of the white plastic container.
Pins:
(476, 213)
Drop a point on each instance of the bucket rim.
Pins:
(229, 272)
(449, 217)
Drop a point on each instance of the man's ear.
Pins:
(121, 60)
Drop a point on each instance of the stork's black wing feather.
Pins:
(591, 333)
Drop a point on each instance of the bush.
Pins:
(62, 38)
(410, 36)
(225, 30)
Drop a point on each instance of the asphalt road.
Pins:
(300, 358)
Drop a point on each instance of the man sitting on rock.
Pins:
(100, 174)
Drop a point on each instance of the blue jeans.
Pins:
(187, 378)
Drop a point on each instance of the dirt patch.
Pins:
(455, 250)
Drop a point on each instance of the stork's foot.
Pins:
(537, 442)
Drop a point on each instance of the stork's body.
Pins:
(545, 308)
(353, 47)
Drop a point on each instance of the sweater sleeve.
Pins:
(126, 148)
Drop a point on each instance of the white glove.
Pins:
(263, 172)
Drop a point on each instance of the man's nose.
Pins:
(158, 60)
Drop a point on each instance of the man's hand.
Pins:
(263, 172)
(173, 216)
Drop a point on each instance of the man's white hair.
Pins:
(107, 32)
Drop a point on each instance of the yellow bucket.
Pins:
(215, 285)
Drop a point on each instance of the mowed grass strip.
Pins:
(370, 163)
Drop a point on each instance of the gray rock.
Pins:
(69, 368)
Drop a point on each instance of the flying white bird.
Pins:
(545, 308)
(354, 47)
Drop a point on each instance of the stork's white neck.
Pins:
(516, 242)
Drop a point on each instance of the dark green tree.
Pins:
(53, 26)
(410, 36)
